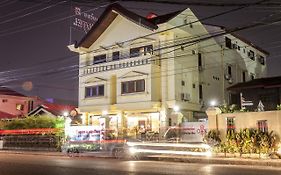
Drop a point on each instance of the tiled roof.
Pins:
(55, 109)
(269, 82)
(4, 115)
(58, 109)
(110, 14)
(7, 91)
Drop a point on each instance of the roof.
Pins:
(7, 91)
(55, 109)
(4, 115)
(108, 16)
(239, 37)
(270, 82)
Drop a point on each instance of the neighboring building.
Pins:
(16, 104)
(266, 90)
(54, 110)
(136, 77)
(264, 121)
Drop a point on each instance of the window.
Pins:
(262, 125)
(244, 76)
(4, 100)
(138, 51)
(261, 60)
(30, 105)
(170, 122)
(230, 124)
(99, 59)
(19, 107)
(251, 55)
(94, 91)
(228, 43)
(133, 86)
(182, 83)
(252, 76)
(229, 70)
(116, 55)
(200, 91)
(199, 60)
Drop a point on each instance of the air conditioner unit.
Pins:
(193, 52)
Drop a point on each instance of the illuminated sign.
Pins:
(83, 20)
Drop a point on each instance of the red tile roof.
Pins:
(57, 109)
(7, 91)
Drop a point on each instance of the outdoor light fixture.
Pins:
(104, 112)
(176, 108)
(213, 103)
(65, 114)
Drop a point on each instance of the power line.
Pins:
(31, 13)
(21, 10)
(50, 22)
(208, 4)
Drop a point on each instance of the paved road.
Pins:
(12, 164)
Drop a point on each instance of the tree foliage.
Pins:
(35, 122)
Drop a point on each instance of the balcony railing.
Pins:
(119, 64)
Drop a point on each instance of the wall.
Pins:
(244, 120)
(8, 104)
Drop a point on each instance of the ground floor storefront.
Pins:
(141, 124)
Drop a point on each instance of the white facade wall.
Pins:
(166, 80)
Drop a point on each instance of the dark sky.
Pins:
(34, 35)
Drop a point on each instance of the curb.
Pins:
(224, 161)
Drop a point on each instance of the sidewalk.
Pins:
(178, 158)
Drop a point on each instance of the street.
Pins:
(20, 164)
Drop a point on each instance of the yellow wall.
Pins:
(245, 120)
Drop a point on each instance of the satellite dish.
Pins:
(230, 81)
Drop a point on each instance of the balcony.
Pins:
(118, 64)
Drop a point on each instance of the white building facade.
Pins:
(140, 73)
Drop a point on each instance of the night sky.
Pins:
(34, 35)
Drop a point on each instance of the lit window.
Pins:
(94, 91)
(138, 51)
(262, 125)
(19, 107)
(230, 124)
(133, 86)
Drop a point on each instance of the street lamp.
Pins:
(176, 108)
